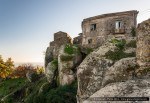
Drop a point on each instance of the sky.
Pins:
(27, 26)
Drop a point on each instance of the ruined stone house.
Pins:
(99, 28)
(78, 39)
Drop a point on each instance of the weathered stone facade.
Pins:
(78, 39)
(99, 28)
(143, 44)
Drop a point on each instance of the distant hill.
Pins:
(32, 63)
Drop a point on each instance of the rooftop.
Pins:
(112, 14)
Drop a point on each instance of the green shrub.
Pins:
(132, 44)
(33, 91)
(114, 41)
(69, 49)
(62, 94)
(118, 54)
(34, 77)
(10, 85)
(55, 62)
(119, 43)
(66, 57)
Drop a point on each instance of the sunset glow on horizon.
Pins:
(27, 26)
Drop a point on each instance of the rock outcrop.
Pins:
(67, 63)
(117, 68)
(143, 44)
(48, 56)
(127, 77)
(91, 71)
(130, 88)
(50, 70)
(60, 38)
(122, 70)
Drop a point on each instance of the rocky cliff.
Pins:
(118, 68)
(113, 71)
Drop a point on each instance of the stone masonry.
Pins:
(78, 40)
(99, 28)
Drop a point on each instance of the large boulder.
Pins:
(68, 59)
(143, 45)
(91, 71)
(48, 55)
(50, 70)
(130, 88)
(122, 70)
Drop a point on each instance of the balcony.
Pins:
(119, 31)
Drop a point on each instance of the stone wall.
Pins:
(78, 39)
(143, 44)
(99, 28)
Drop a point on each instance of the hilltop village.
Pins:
(110, 58)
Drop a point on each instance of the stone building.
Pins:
(143, 44)
(78, 39)
(99, 28)
(52, 51)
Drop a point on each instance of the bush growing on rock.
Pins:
(55, 62)
(69, 49)
(63, 94)
(118, 54)
(119, 43)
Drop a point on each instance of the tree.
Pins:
(9, 63)
(1, 60)
(6, 68)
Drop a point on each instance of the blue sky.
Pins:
(27, 26)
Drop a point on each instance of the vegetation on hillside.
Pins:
(15, 87)
(21, 90)
(6, 67)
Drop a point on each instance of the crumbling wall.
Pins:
(99, 28)
(78, 40)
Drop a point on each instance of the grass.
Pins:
(117, 55)
(10, 85)
(119, 43)
(22, 91)
(61, 94)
